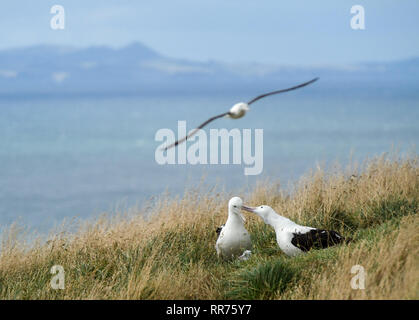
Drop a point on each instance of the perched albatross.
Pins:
(233, 239)
(292, 238)
(238, 110)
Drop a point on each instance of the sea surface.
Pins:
(81, 156)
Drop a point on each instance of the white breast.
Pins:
(238, 110)
(284, 237)
(232, 242)
(284, 242)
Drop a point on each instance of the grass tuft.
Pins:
(264, 281)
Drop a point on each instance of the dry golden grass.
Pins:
(170, 254)
(392, 265)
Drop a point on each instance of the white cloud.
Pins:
(88, 64)
(252, 69)
(174, 67)
(8, 74)
(59, 77)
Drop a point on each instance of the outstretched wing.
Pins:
(316, 238)
(281, 91)
(226, 113)
(195, 130)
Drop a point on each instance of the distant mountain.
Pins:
(137, 69)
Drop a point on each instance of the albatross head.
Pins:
(262, 211)
(234, 207)
(238, 110)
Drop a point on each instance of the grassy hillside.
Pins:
(171, 255)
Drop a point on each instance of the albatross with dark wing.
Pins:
(292, 238)
(238, 110)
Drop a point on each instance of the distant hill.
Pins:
(137, 69)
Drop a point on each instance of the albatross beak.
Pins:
(249, 209)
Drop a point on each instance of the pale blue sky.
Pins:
(271, 31)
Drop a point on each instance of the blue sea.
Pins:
(69, 157)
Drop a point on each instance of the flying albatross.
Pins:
(233, 239)
(292, 238)
(238, 110)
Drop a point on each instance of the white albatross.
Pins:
(233, 239)
(292, 238)
(237, 111)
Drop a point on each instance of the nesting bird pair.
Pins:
(293, 239)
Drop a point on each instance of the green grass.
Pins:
(263, 281)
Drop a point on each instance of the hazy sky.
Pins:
(270, 31)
